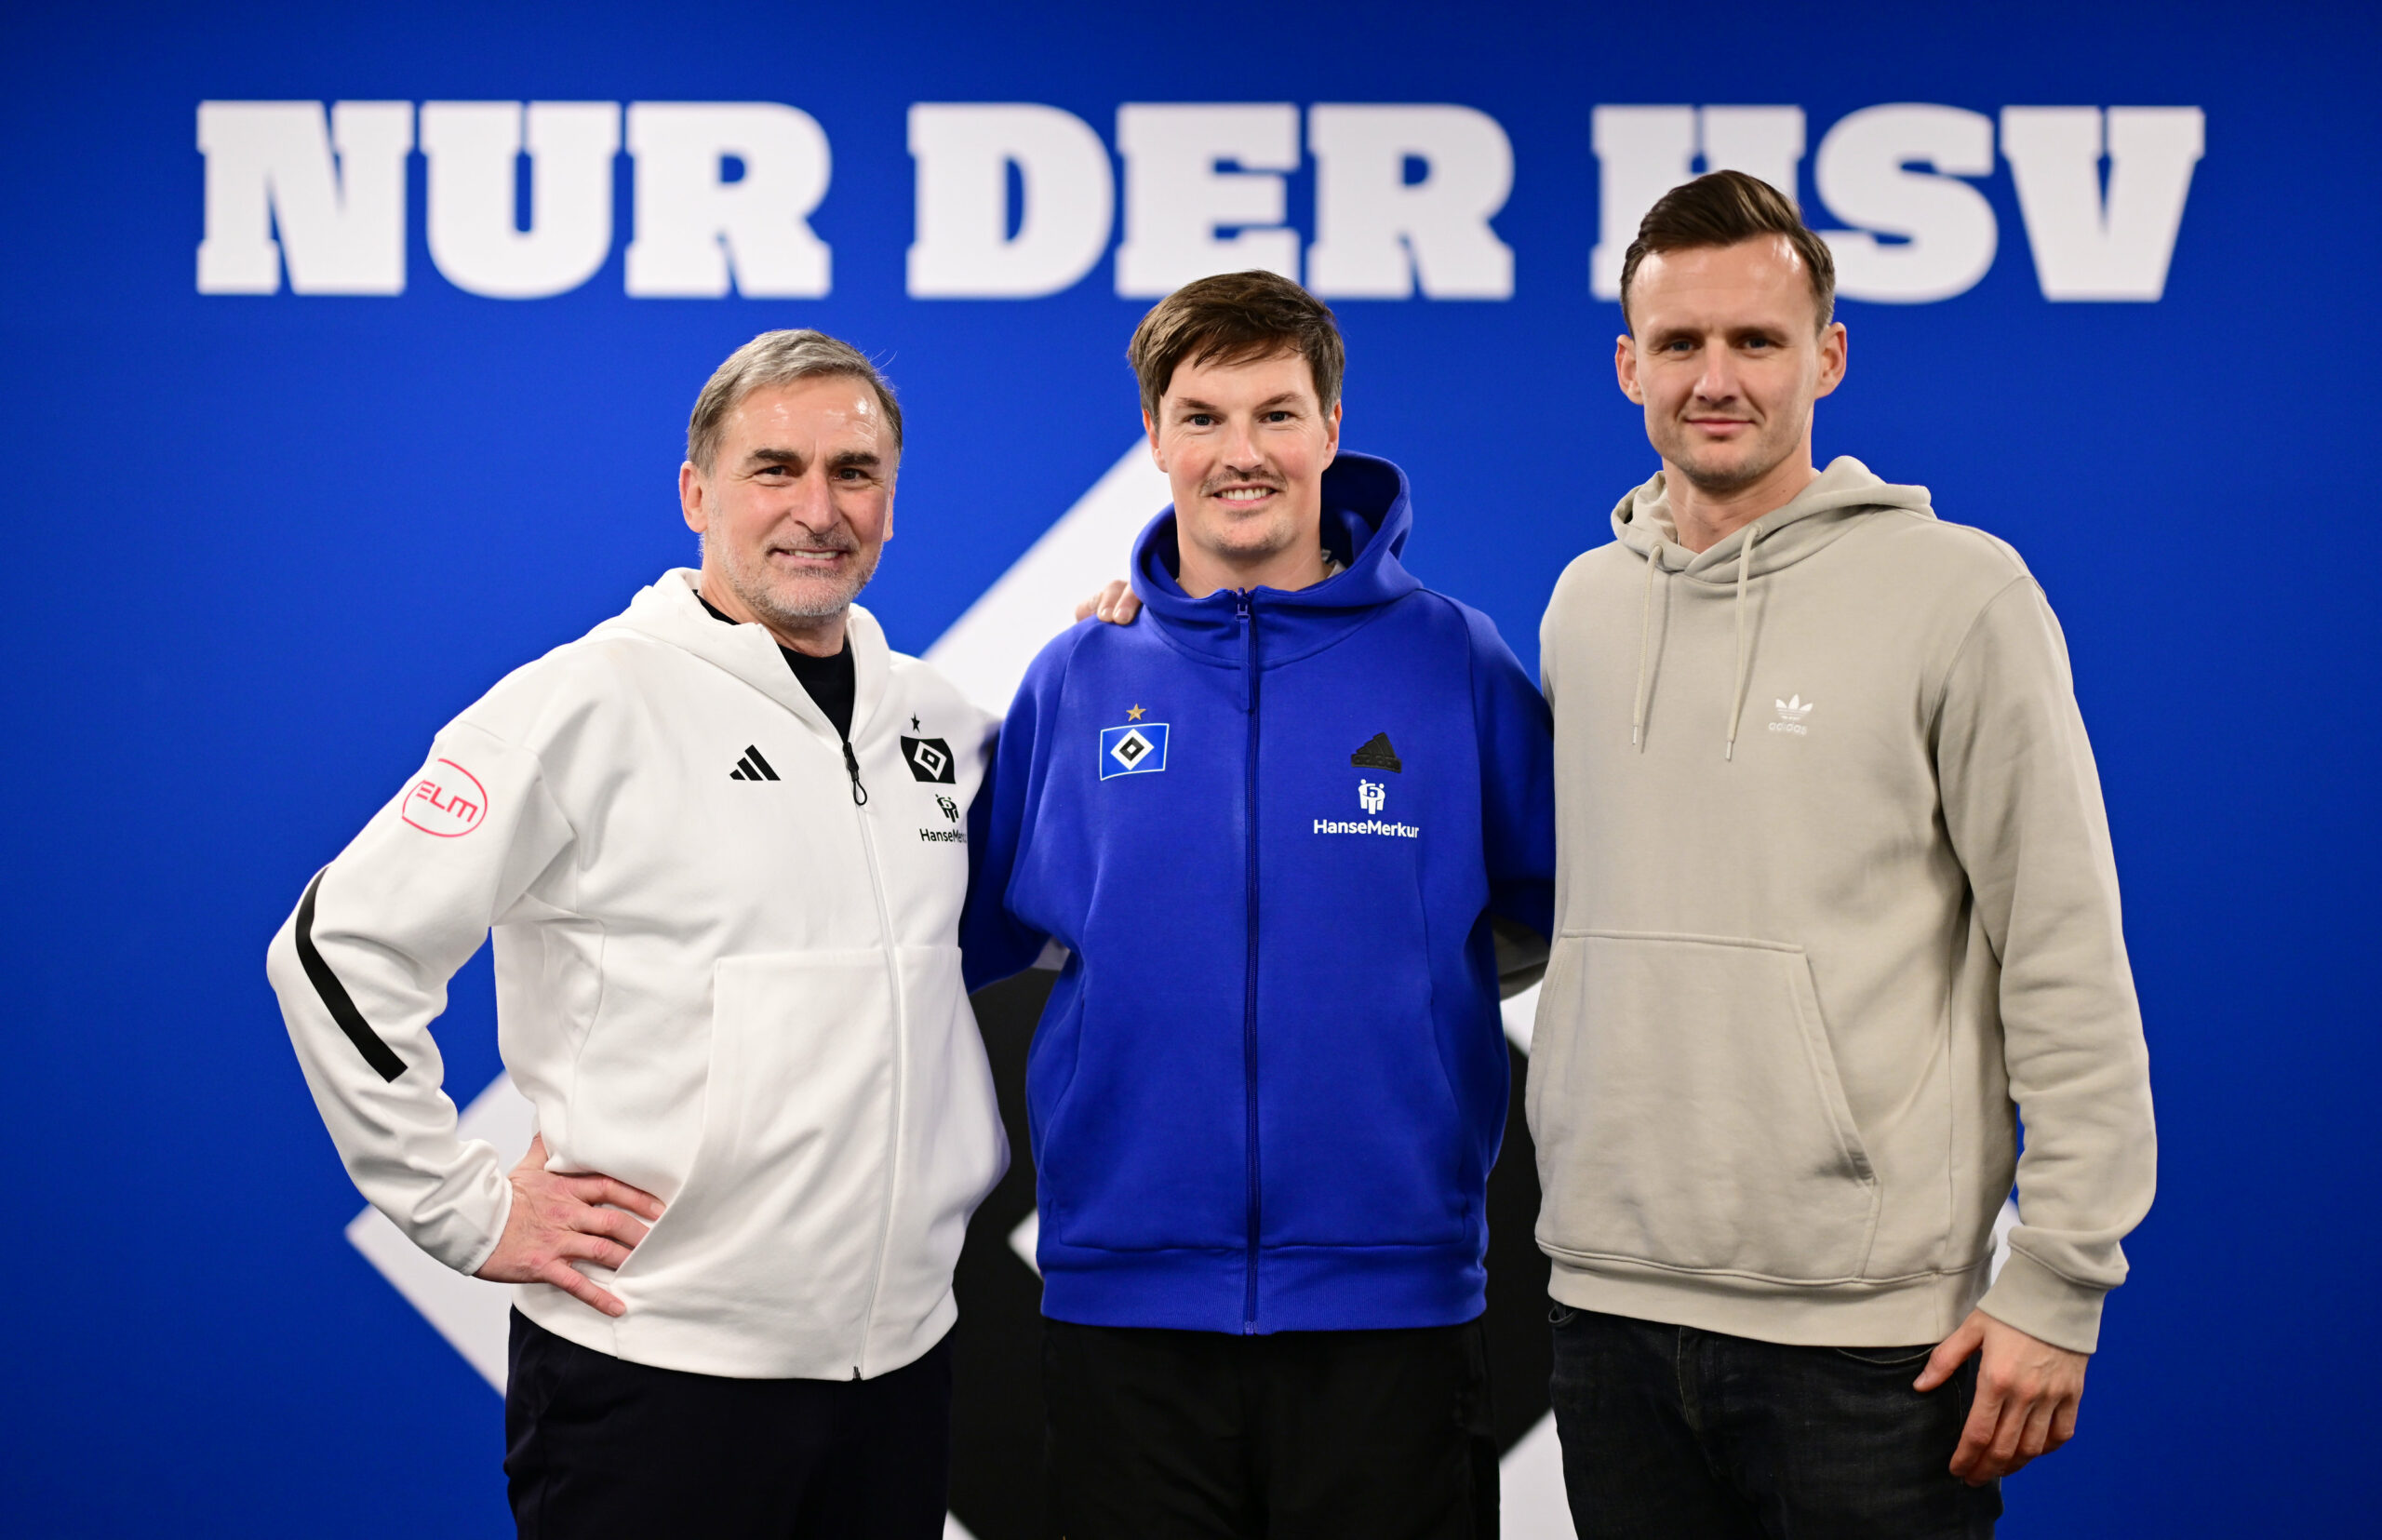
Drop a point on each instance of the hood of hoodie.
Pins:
(1819, 515)
(1824, 512)
(1366, 517)
(669, 613)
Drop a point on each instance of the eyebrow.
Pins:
(1742, 328)
(865, 459)
(1190, 403)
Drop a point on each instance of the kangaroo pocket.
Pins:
(1692, 1116)
(778, 1225)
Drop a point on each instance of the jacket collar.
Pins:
(1367, 515)
(668, 611)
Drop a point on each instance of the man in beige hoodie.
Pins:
(1836, 910)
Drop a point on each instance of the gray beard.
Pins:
(822, 602)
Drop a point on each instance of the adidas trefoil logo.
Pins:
(751, 767)
(1791, 712)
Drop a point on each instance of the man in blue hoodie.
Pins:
(1280, 829)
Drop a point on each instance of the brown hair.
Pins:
(1237, 318)
(772, 359)
(1723, 209)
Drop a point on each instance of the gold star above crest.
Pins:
(1134, 714)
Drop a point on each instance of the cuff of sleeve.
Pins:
(478, 1257)
(2041, 1303)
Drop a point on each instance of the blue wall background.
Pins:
(260, 548)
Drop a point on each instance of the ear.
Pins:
(691, 496)
(1331, 433)
(1625, 366)
(1833, 358)
(1149, 430)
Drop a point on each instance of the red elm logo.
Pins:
(447, 801)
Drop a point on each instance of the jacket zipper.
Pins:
(900, 1054)
(1247, 617)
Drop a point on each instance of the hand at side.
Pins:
(2028, 1393)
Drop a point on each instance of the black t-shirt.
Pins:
(827, 680)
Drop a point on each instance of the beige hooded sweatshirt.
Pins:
(1835, 909)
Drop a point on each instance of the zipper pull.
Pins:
(852, 767)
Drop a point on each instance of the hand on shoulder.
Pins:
(1114, 604)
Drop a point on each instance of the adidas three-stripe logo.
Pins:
(751, 767)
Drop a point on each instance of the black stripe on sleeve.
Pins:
(380, 1055)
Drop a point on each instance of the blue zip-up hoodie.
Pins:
(1270, 828)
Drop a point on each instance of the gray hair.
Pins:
(772, 359)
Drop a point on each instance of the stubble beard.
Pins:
(1721, 481)
(1255, 541)
(1253, 537)
(796, 603)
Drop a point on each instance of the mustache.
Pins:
(826, 539)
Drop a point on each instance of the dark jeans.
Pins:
(599, 1447)
(1159, 1435)
(1671, 1433)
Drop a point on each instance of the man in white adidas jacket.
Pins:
(719, 842)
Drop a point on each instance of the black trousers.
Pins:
(596, 1447)
(1157, 1435)
(1671, 1433)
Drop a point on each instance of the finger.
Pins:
(2007, 1432)
(593, 1248)
(1089, 607)
(599, 1189)
(1996, 1447)
(1977, 1434)
(579, 1286)
(1950, 1353)
(622, 1227)
(2063, 1419)
(2036, 1439)
(535, 1158)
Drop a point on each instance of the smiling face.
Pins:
(1244, 446)
(1726, 356)
(796, 508)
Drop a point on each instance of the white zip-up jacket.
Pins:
(719, 977)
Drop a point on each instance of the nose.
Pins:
(1240, 451)
(1718, 383)
(809, 502)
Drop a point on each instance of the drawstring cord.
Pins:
(1645, 642)
(1646, 645)
(1737, 694)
